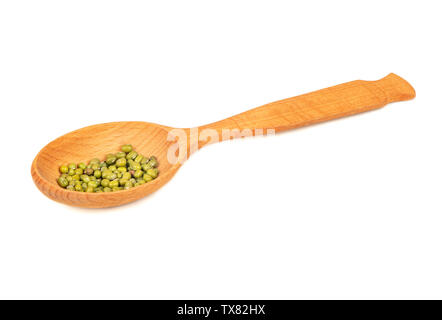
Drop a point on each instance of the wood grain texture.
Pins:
(322, 105)
(151, 139)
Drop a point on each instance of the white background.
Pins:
(345, 209)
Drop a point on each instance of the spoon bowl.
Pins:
(98, 140)
(151, 139)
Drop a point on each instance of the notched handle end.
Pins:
(396, 88)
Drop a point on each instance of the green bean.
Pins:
(92, 184)
(94, 161)
(105, 182)
(134, 166)
(121, 162)
(112, 176)
(97, 173)
(128, 185)
(131, 155)
(105, 174)
(153, 162)
(153, 172)
(138, 174)
(63, 182)
(114, 183)
(120, 155)
(147, 177)
(138, 158)
(111, 158)
(146, 167)
(126, 148)
(120, 171)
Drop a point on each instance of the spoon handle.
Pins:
(322, 105)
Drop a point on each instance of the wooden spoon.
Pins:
(151, 139)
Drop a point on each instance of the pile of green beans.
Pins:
(120, 171)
